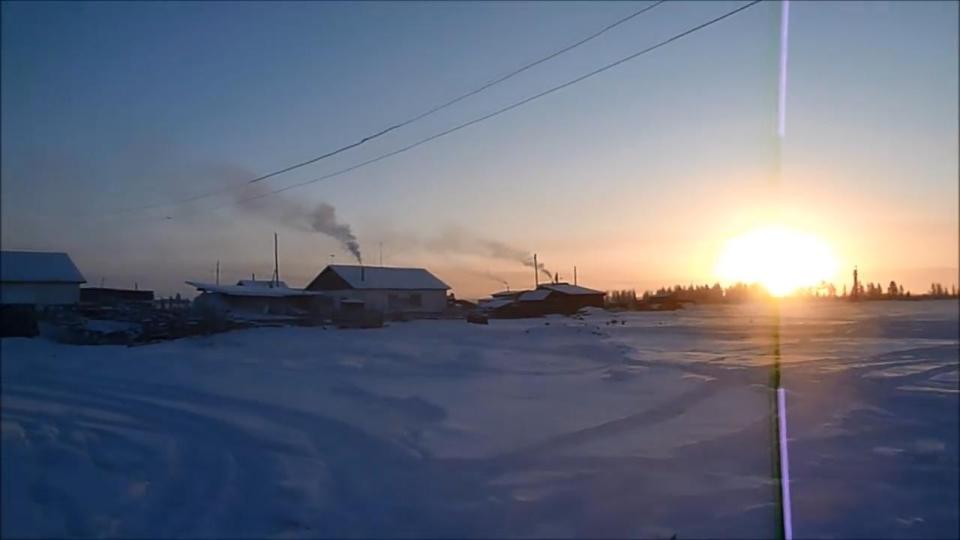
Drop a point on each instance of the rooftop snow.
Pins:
(495, 303)
(245, 290)
(381, 277)
(567, 288)
(534, 296)
(38, 267)
(261, 283)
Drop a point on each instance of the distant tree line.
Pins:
(741, 292)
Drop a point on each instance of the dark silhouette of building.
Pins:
(110, 297)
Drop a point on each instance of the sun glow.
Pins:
(779, 258)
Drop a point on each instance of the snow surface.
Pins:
(628, 424)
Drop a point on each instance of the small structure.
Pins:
(546, 299)
(38, 278)
(260, 298)
(105, 296)
(389, 290)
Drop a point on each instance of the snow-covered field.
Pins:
(652, 426)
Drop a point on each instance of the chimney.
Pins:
(362, 273)
(536, 272)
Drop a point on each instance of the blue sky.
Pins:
(636, 175)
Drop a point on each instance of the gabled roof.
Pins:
(38, 267)
(495, 303)
(245, 290)
(566, 288)
(508, 294)
(383, 277)
(534, 296)
(268, 283)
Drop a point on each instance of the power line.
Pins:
(461, 97)
(411, 120)
(511, 106)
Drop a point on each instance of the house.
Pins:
(258, 298)
(38, 278)
(389, 290)
(106, 296)
(546, 299)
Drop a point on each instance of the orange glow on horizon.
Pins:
(781, 259)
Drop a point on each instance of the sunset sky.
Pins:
(637, 176)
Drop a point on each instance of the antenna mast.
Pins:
(276, 263)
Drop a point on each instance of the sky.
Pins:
(636, 176)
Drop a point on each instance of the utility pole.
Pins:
(381, 254)
(276, 263)
(536, 272)
(218, 271)
(574, 275)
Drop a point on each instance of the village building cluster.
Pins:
(33, 283)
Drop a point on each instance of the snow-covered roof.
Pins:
(383, 277)
(243, 290)
(269, 283)
(495, 303)
(38, 267)
(507, 294)
(534, 296)
(566, 288)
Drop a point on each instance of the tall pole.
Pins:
(574, 275)
(381, 253)
(276, 262)
(536, 272)
(218, 271)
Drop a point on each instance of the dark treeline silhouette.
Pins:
(741, 292)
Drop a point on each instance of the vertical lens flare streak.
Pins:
(782, 101)
(783, 466)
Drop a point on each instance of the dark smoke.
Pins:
(543, 269)
(322, 218)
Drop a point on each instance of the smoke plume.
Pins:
(321, 218)
(456, 240)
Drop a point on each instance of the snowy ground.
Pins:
(648, 428)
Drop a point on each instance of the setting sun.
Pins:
(779, 258)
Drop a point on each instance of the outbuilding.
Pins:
(546, 299)
(38, 278)
(389, 290)
(258, 298)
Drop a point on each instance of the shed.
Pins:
(113, 296)
(548, 298)
(385, 289)
(258, 298)
(38, 278)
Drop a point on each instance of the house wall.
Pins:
(393, 301)
(40, 294)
